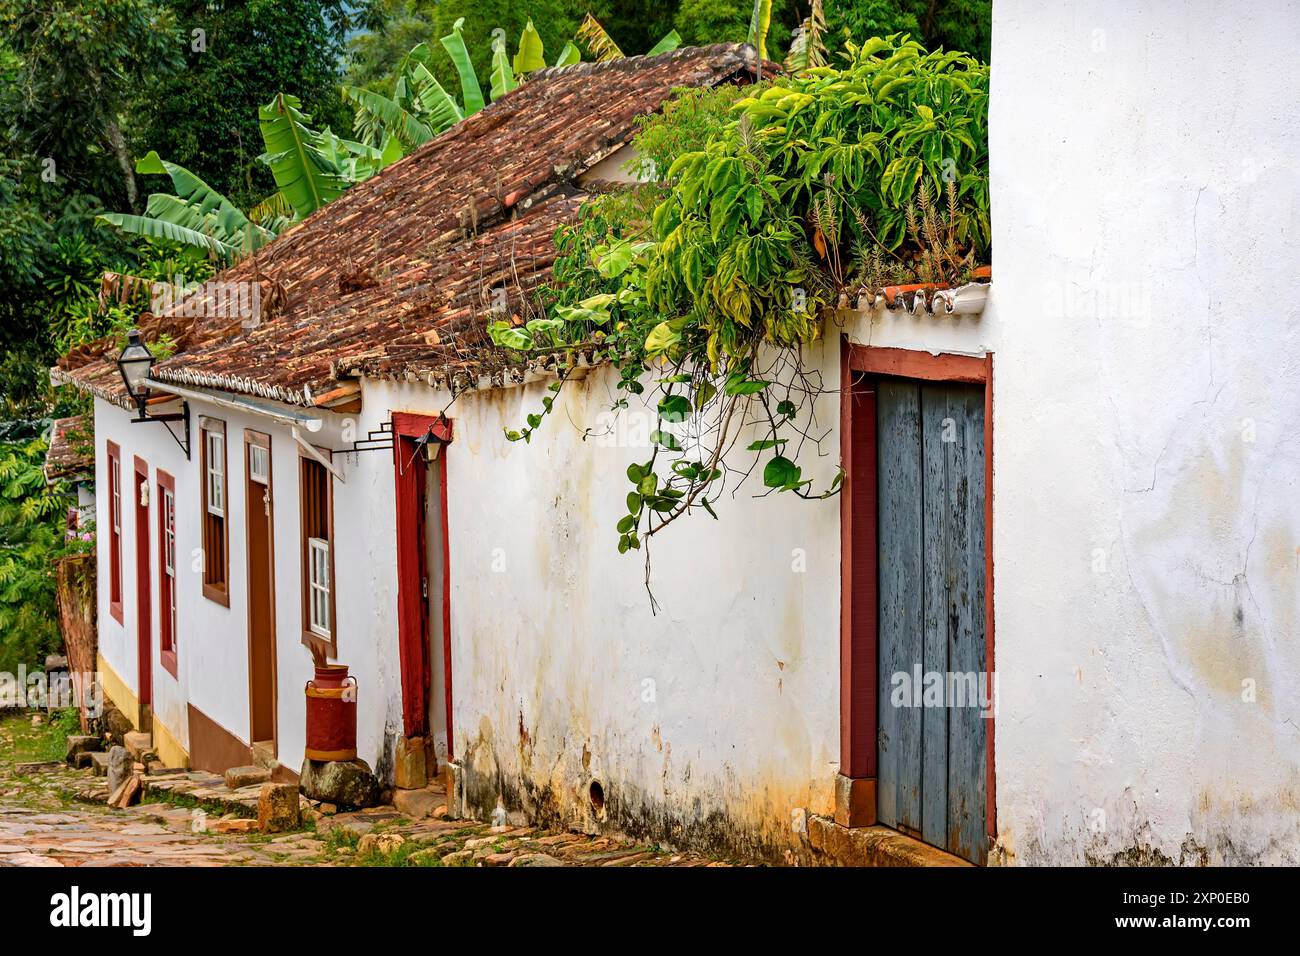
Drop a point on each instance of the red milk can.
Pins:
(332, 714)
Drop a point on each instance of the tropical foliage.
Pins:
(31, 536)
(816, 186)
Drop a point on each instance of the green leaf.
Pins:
(626, 524)
(382, 117)
(503, 78)
(671, 41)
(674, 408)
(297, 157)
(767, 443)
(635, 473)
(666, 440)
(530, 56)
(569, 55)
(471, 93)
(780, 473)
(759, 22)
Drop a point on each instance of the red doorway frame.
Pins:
(143, 585)
(858, 587)
(412, 616)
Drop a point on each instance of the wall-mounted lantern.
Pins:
(135, 363)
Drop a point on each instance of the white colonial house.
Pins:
(1114, 531)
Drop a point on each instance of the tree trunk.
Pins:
(118, 144)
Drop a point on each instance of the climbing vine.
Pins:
(771, 206)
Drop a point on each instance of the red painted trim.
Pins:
(990, 802)
(907, 363)
(858, 580)
(446, 598)
(114, 536)
(413, 425)
(412, 629)
(944, 367)
(143, 586)
(166, 627)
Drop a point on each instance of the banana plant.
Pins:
(197, 215)
(300, 158)
(808, 47)
(759, 23)
(471, 92)
(602, 46)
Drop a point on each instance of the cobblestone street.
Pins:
(52, 815)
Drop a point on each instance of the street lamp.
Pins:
(134, 364)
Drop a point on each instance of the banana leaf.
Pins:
(669, 43)
(437, 107)
(189, 187)
(471, 93)
(378, 116)
(569, 55)
(503, 79)
(598, 43)
(152, 228)
(297, 157)
(759, 23)
(530, 56)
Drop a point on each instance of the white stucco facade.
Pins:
(1147, 519)
(1146, 512)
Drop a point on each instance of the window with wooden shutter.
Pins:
(216, 538)
(115, 531)
(317, 520)
(167, 630)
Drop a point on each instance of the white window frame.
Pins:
(318, 587)
(259, 464)
(216, 477)
(169, 555)
(115, 490)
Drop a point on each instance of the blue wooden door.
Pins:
(932, 684)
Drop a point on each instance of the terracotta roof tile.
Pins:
(396, 276)
(72, 448)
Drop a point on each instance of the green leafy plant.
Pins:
(709, 286)
(31, 538)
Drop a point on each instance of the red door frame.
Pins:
(143, 585)
(858, 581)
(412, 607)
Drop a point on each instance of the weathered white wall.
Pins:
(212, 667)
(1147, 517)
(708, 722)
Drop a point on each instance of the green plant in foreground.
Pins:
(817, 186)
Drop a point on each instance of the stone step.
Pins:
(264, 754)
(237, 777)
(138, 743)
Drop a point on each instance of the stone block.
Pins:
(119, 767)
(342, 783)
(237, 777)
(79, 744)
(138, 743)
(277, 808)
(535, 859)
(410, 771)
(99, 764)
(417, 804)
(855, 801)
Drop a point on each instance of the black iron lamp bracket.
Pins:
(183, 417)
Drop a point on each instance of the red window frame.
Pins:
(115, 531)
(167, 617)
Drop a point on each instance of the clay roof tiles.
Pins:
(397, 276)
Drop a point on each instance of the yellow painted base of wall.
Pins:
(165, 744)
(116, 690)
(169, 749)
